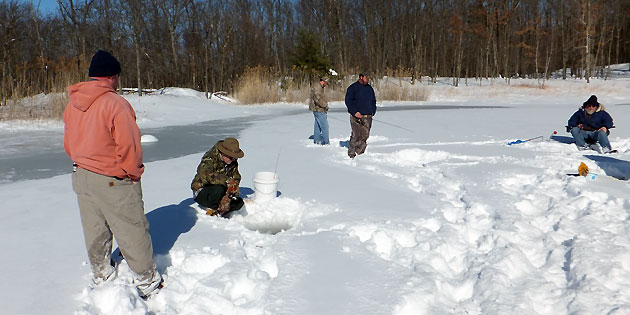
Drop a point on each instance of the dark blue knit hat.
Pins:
(103, 65)
(591, 101)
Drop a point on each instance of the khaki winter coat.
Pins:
(318, 101)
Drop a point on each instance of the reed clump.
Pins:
(38, 107)
(259, 85)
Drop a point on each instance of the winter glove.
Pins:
(224, 205)
(211, 212)
(232, 188)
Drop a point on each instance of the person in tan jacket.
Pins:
(103, 140)
(319, 105)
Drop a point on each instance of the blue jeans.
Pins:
(581, 136)
(320, 130)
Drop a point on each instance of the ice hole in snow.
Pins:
(272, 216)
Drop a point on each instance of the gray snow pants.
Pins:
(112, 207)
(360, 133)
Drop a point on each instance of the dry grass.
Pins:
(294, 90)
(19, 99)
(259, 86)
(39, 107)
(256, 86)
(298, 95)
(336, 93)
(399, 89)
(530, 86)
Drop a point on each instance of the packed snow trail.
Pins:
(547, 235)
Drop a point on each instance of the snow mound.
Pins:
(16, 126)
(413, 157)
(148, 139)
(194, 261)
(185, 92)
(176, 91)
(98, 300)
(273, 216)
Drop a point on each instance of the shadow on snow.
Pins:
(613, 167)
(563, 139)
(168, 222)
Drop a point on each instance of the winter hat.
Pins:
(230, 147)
(103, 65)
(591, 101)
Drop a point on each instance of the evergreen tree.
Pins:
(308, 57)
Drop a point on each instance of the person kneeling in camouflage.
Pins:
(215, 185)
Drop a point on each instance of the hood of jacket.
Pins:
(82, 95)
(600, 108)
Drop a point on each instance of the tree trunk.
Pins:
(138, 61)
(608, 62)
(586, 18)
(42, 62)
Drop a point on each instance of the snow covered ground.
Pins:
(441, 217)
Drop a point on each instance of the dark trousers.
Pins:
(210, 197)
(360, 133)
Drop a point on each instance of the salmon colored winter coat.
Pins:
(101, 134)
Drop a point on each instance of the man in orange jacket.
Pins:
(103, 140)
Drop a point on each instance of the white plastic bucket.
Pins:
(266, 185)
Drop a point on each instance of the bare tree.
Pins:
(12, 16)
(585, 22)
(209, 44)
(76, 14)
(44, 82)
(172, 11)
(134, 13)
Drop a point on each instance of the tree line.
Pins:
(207, 45)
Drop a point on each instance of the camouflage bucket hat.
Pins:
(230, 147)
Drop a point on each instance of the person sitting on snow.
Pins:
(591, 123)
(215, 185)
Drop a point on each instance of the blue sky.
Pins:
(46, 6)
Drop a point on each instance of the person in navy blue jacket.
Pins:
(361, 104)
(591, 123)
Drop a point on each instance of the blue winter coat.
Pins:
(360, 98)
(599, 119)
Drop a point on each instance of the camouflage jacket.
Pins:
(318, 101)
(213, 171)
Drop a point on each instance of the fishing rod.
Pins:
(275, 170)
(383, 122)
(519, 141)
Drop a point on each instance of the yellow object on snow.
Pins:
(582, 169)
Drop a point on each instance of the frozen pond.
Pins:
(35, 154)
(40, 154)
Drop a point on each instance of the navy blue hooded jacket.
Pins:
(600, 118)
(360, 98)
